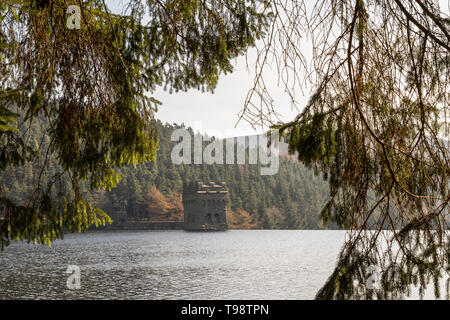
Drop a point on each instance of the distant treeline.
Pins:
(291, 199)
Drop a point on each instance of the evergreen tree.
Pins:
(94, 85)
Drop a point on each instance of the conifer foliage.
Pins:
(94, 85)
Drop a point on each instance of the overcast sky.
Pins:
(217, 114)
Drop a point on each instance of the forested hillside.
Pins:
(291, 199)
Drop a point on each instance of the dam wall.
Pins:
(146, 225)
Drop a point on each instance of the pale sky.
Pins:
(217, 114)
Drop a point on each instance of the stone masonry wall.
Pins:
(205, 206)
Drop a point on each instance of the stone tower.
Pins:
(205, 206)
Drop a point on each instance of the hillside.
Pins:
(290, 199)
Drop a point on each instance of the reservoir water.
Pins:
(236, 264)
